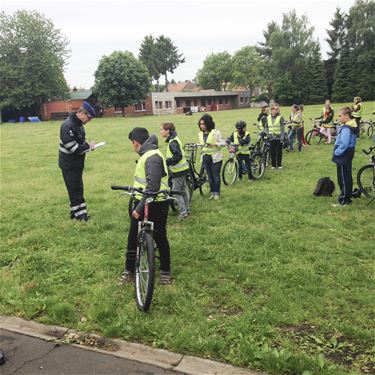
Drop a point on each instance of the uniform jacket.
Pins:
(73, 145)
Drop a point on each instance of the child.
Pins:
(297, 123)
(343, 154)
(275, 127)
(178, 166)
(357, 112)
(242, 138)
(262, 117)
(325, 123)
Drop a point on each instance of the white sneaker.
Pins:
(216, 197)
(273, 168)
(280, 167)
(211, 196)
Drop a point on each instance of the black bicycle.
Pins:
(370, 124)
(196, 179)
(145, 254)
(259, 155)
(366, 176)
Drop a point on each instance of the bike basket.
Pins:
(191, 151)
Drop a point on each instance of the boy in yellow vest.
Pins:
(178, 167)
(151, 174)
(241, 138)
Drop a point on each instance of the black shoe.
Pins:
(2, 357)
(356, 193)
(83, 218)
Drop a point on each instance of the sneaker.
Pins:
(211, 196)
(216, 197)
(165, 278)
(182, 216)
(127, 277)
(273, 168)
(280, 167)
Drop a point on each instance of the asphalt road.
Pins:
(27, 355)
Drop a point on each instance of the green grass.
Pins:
(269, 277)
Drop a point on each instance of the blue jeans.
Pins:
(213, 173)
(298, 131)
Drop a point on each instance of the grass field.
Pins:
(268, 277)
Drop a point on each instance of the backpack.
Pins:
(325, 187)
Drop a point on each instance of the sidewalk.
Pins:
(33, 348)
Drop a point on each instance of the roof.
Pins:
(82, 94)
(205, 93)
(182, 86)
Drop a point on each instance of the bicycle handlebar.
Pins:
(369, 150)
(132, 189)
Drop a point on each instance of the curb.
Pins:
(122, 349)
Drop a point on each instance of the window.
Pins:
(195, 102)
(187, 103)
(140, 107)
(241, 99)
(178, 103)
(247, 99)
(168, 104)
(158, 105)
(118, 109)
(220, 100)
(226, 100)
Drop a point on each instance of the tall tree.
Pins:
(33, 55)
(287, 48)
(247, 68)
(167, 57)
(335, 40)
(216, 72)
(148, 55)
(121, 80)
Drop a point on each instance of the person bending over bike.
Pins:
(343, 154)
(275, 128)
(178, 167)
(151, 174)
(325, 121)
(242, 138)
(212, 157)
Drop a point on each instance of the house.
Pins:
(59, 109)
(186, 86)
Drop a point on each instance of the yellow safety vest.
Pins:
(140, 180)
(182, 165)
(293, 116)
(210, 138)
(241, 149)
(274, 128)
(359, 112)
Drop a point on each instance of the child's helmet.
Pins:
(240, 124)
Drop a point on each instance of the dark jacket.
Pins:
(241, 139)
(329, 117)
(177, 154)
(154, 169)
(73, 145)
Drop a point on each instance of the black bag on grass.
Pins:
(325, 187)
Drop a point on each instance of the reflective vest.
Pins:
(359, 112)
(210, 140)
(140, 180)
(293, 115)
(274, 128)
(182, 165)
(244, 149)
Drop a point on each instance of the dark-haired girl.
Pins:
(212, 157)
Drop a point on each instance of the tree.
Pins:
(247, 68)
(167, 57)
(33, 54)
(121, 80)
(216, 71)
(288, 48)
(148, 55)
(335, 39)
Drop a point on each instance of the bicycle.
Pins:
(370, 127)
(258, 159)
(145, 255)
(366, 176)
(314, 136)
(197, 179)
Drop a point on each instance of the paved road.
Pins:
(32, 356)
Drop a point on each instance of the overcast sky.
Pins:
(197, 27)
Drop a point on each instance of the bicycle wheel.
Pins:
(204, 186)
(370, 129)
(258, 165)
(229, 173)
(366, 180)
(131, 205)
(313, 137)
(144, 271)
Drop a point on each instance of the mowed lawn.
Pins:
(268, 277)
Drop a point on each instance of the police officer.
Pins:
(72, 151)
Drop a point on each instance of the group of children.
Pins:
(154, 167)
